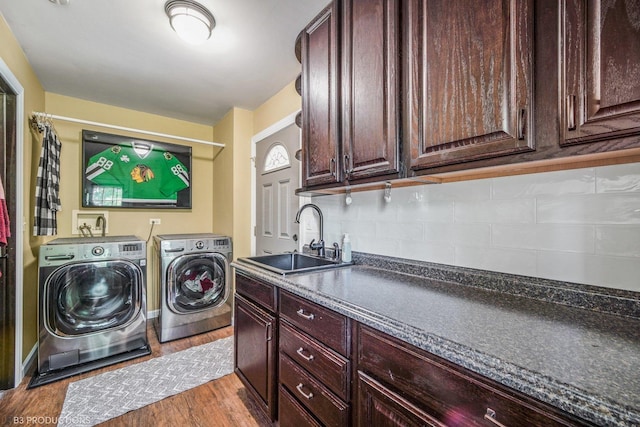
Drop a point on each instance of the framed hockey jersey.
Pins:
(121, 171)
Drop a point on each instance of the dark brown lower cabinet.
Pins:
(256, 352)
(306, 365)
(292, 413)
(381, 407)
(401, 385)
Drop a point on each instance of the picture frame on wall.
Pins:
(125, 172)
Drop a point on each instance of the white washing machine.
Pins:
(92, 305)
(194, 276)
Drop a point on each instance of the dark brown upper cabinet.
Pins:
(600, 73)
(370, 88)
(320, 108)
(468, 77)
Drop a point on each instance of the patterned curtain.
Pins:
(48, 183)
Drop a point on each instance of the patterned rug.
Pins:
(109, 395)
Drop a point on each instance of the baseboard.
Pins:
(29, 360)
(153, 314)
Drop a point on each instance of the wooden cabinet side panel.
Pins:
(600, 76)
(370, 85)
(320, 114)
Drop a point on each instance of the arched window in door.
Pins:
(277, 158)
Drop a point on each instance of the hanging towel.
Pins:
(48, 185)
(5, 226)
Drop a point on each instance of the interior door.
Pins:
(277, 177)
(7, 253)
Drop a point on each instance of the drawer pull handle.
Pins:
(304, 315)
(305, 395)
(300, 352)
(491, 416)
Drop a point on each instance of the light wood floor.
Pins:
(223, 402)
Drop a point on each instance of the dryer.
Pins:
(193, 271)
(92, 304)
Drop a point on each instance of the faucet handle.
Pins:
(336, 251)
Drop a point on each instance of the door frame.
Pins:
(276, 127)
(17, 88)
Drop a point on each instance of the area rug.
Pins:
(97, 399)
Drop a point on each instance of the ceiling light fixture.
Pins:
(192, 21)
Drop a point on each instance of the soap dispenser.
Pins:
(346, 248)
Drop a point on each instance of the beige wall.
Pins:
(232, 180)
(279, 106)
(12, 54)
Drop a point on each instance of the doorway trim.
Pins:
(17, 88)
(276, 127)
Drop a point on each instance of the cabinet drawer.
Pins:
(326, 365)
(327, 407)
(449, 392)
(291, 413)
(322, 324)
(259, 292)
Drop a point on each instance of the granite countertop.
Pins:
(529, 334)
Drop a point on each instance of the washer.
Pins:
(194, 276)
(92, 305)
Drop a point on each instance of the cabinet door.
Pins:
(320, 112)
(380, 407)
(469, 87)
(370, 82)
(600, 79)
(255, 352)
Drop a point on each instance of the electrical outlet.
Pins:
(155, 221)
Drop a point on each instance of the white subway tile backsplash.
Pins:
(618, 178)
(495, 211)
(622, 208)
(437, 211)
(515, 261)
(375, 245)
(618, 240)
(467, 190)
(580, 225)
(400, 231)
(442, 253)
(562, 183)
(613, 272)
(464, 234)
(570, 238)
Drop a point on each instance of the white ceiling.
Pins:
(124, 53)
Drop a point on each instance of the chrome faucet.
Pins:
(101, 221)
(319, 246)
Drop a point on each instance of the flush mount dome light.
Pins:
(192, 21)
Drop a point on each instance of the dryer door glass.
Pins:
(88, 297)
(197, 282)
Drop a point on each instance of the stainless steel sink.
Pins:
(288, 263)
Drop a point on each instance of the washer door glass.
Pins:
(197, 282)
(89, 297)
